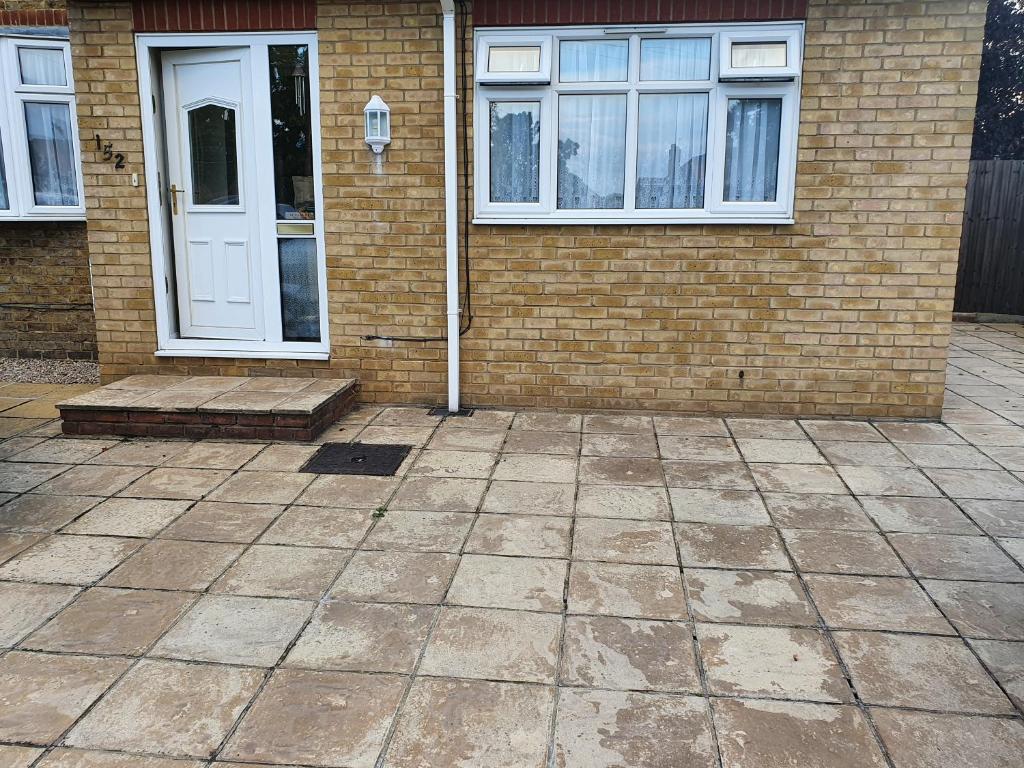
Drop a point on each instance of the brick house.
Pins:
(750, 206)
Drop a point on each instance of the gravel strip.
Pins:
(31, 371)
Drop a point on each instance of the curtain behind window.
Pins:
(42, 66)
(752, 150)
(51, 153)
(672, 143)
(591, 151)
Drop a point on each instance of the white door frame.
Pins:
(168, 342)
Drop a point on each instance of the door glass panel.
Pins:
(593, 60)
(513, 58)
(42, 66)
(300, 296)
(679, 59)
(591, 151)
(51, 153)
(672, 142)
(752, 150)
(5, 203)
(515, 151)
(211, 132)
(292, 131)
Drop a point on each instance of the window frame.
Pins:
(763, 84)
(14, 130)
(527, 38)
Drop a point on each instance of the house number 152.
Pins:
(108, 152)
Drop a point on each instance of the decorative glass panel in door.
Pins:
(211, 130)
(5, 202)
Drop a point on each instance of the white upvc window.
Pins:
(40, 160)
(666, 124)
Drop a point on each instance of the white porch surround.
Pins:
(169, 342)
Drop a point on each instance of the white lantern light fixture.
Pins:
(378, 124)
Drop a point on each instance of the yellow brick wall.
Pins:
(845, 312)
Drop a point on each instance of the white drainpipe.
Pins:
(451, 204)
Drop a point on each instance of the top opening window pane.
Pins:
(42, 66)
(758, 55)
(586, 61)
(513, 58)
(675, 59)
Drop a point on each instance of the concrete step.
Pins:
(223, 407)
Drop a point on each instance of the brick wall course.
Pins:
(844, 313)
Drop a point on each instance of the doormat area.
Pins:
(379, 460)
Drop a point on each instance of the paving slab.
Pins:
(124, 622)
(908, 670)
(782, 734)
(619, 729)
(927, 740)
(747, 597)
(775, 662)
(493, 644)
(463, 723)
(43, 694)
(363, 637)
(168, 708)
(629, 654)
(318, 718)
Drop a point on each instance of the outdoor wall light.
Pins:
(378, 124)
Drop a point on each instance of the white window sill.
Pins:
(619, 220)
(43, 217)
(245, 354)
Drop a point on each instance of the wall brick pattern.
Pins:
(845, 313)
(45, 298)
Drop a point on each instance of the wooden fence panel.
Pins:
(990, 277)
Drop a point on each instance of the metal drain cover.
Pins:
(380, 460)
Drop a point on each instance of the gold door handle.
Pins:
(174, 199)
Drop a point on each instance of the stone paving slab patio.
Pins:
(532, 589)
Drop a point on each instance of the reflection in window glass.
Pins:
(42, 66)
(591, 151)
(5, 202)
(515, 151)
(672, 143)
(211, 133)
(751, 55)
(300, 298)
(51, 153)
(593, 60)
(752, 149)
(675, 59)
(292, 131)
(513, 58)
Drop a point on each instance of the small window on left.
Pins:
(40, 158)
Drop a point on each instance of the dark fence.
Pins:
(990, 277)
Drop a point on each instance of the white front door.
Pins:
(212, 182)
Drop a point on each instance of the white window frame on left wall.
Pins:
(168, 344)
(14, 149)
